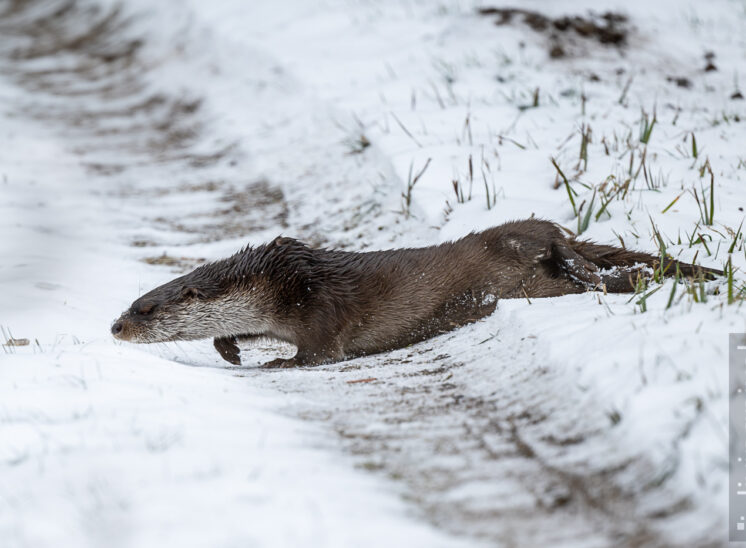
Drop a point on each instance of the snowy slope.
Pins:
(107, 445)
(193, 128)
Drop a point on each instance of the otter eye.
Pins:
(144, 309)
(190, 293)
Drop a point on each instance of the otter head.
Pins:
(202, 304)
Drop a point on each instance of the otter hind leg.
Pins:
(577, 266)
(621, 280)
(280, 363)
(308, 356)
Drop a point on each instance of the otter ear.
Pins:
(191, 293)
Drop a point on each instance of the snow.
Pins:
(238, 121)
(103, 443)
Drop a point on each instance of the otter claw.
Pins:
(228, 350)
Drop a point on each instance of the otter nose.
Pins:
(116, 329)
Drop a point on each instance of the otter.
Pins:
(335, 305)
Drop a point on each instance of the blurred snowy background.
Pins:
(139, 139)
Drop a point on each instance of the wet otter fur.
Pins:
(335, 305)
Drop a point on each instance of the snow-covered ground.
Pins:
(141, 138)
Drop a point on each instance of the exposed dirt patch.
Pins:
(47, 30)
(172, 189)
(242, 208)
(565, 33)
(101, 69)
(681, 81)
(177, 264)
(144, 243)
(89, 75)
(95, 168)
(710, 62)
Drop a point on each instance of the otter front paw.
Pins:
(280, 363)
(228, 349)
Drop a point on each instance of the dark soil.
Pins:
(609, 28)
(681, 81)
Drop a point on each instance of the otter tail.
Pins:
(618, 269)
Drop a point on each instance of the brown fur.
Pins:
(335, 305)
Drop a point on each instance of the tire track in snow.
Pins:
(495, 445)
(87, 74)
